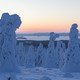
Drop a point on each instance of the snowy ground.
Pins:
(38, 73)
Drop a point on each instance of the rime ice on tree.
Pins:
(39, 55)
(51, 58)
(1, 36)
(44, 57)
(30, 60)
(21, 54)
(62, 55)
(9, 24)
(57, 53)
(72, 63)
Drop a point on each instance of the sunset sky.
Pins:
(43, 15)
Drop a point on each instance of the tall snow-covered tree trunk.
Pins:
(8, 62)
(72, 62)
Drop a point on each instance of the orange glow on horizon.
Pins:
(35, 25)
(46, 25)
(43, 15)
(43, 28)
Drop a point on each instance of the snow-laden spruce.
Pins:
(30, 59)
(20, 54)
(62, 55)
(43, 57)
(72, 62)
(39, 55)
(58, 52)
(9, 23)
(51, 56)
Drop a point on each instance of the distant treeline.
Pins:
(36, 43)
(40, 34)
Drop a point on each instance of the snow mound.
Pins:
(10, 78)
(32, 79)
(45, 78)
(68, 75)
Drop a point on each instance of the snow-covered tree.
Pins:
(72, 62)
(10, 24)
(1, 39)
(58, 51)
(44, 55)
(20, 54)
(3, 20)
(62, 55)
(51, 56)
(30, 60)
(39, 55)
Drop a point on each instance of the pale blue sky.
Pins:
(43, 12)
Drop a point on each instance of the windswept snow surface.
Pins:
(39, 73)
